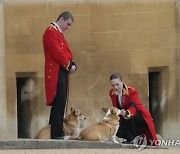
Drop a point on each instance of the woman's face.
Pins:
(117, 85)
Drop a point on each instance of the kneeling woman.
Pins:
(135, 118)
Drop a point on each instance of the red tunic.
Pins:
(131, 95)
(57, 54)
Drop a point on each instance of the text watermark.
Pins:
(140, 142)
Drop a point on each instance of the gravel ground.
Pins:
(92, 151)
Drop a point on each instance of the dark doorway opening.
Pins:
(155, 97)
(153, 91)
(23, 109)
(158, 95)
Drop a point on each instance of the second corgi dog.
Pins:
(103, 130)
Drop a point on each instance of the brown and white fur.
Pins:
(103, 130)
(73, 124)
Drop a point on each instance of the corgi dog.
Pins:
(72, 125)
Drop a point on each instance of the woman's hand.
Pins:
(123, 112)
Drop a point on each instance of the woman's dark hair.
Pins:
(66, 16)
(116, 76)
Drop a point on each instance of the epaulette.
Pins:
(52, 25)
(131, 87)
(125, 89)
(113, 93)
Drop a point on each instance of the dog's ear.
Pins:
(72, 109)
(105, 109)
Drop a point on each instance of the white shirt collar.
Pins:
(60, 30)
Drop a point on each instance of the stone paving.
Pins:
(29, 146)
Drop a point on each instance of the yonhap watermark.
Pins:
(165, 142)
(140, 142)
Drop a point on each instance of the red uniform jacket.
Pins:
(57, 54)
(130, 95)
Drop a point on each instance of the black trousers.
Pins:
(128, 127)
(58, 105)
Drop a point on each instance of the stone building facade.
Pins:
(137, 38)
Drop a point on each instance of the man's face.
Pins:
(117, 85)
(65, 24)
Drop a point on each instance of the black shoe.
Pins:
(59, 138)
(128, 142)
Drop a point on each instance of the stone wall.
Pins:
(3, 113)
(132, 37)
(178, 60)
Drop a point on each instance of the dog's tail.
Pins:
(72, 138)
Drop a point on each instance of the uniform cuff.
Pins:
(127, 115)
(72, 63)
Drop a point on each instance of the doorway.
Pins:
(154, 97)
(158, 80)
(25, 86)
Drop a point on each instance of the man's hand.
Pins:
(73, 69)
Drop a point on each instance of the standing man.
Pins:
(135, 118)
(58, 65)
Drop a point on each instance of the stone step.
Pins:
(57, 144)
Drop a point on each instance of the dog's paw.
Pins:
(115, 142)
(71, 138)
(67, 138)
